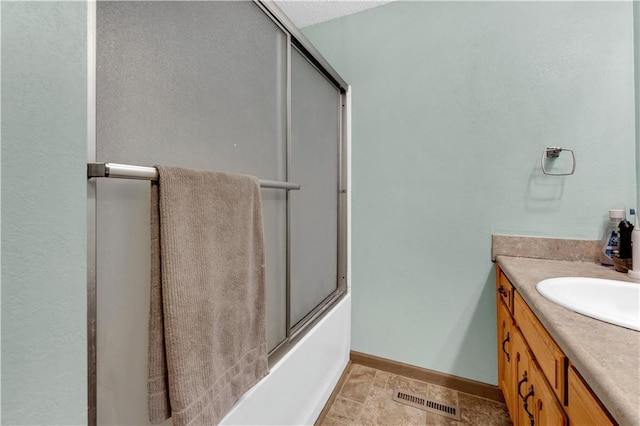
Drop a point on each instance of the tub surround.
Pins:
(607, 356)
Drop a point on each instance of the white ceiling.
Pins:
(308, 12)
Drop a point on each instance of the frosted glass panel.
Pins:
(192, 84)
(314, 209)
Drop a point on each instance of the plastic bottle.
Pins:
(610, 237)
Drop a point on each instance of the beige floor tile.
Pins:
(358, 383)
(403, 383)
(442, 395)
(328, 421)
(345, 410)
(480, 411)
(366, 398)
(380, 381)
(381, 409)
(358, 369)
(438, 420)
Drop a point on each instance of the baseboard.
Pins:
(460, 384)
(333, 396)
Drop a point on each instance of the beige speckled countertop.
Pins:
(607, 356)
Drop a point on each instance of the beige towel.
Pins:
(207, 336)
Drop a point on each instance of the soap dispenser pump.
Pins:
(635, 251)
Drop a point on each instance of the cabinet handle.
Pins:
(520, 383)
(504, 350)
(502, 291)
(526, 404)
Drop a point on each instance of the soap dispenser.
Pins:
(635, 249)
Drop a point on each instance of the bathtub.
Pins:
(299, 385)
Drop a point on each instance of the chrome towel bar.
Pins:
(125, 171)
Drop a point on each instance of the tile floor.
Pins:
(366, 399)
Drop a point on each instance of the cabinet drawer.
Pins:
(546, 352)
(583, 407)
(505, 291)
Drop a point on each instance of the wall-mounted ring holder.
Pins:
(553, 153)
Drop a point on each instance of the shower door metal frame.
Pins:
(92, 300)
(294, 332)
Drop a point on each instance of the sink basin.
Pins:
(615, 302)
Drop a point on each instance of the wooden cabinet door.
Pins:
(505, 343)
(522, 380)
(545, 407)
(547, 353)
(583, 407)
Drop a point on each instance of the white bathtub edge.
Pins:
(299, 385)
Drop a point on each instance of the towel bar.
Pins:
(125, 171)
(554, 152)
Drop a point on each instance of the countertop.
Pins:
(607, 356)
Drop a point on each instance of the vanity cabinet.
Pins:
(539, 384)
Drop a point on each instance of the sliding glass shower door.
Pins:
(221, 86)
(199, 85)
(314, 163)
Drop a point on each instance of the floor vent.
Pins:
(450, 411)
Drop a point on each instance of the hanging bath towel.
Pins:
(207, 336)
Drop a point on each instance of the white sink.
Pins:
(615, 302)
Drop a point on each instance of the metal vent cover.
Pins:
(426, 404)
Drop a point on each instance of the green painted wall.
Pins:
(453, 104)
(44, 108)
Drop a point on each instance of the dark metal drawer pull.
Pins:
(526, 404)
(520, 383)
(504, 350)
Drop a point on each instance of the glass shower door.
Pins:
(314, 163)
(221, 86)
(201, 85)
